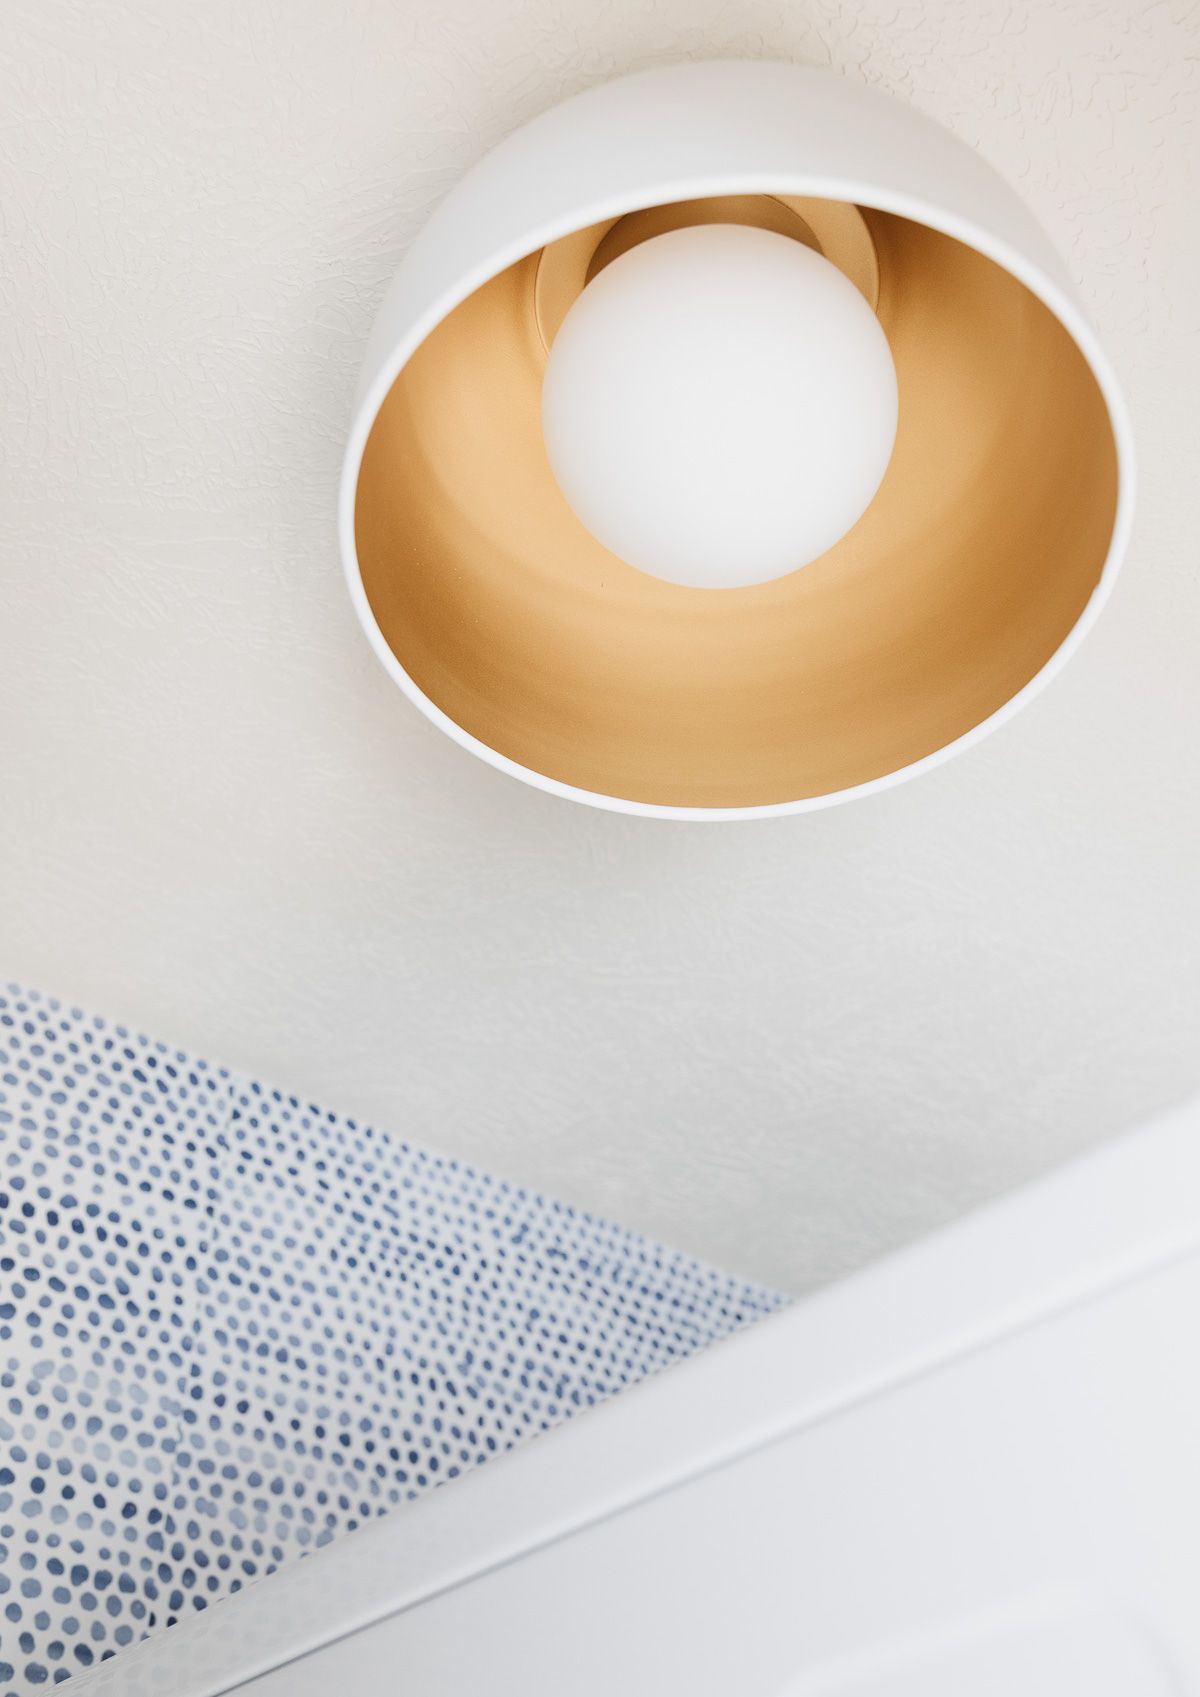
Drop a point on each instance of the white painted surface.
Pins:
(787, 1044)
(975, 1460)
(1051, 1481)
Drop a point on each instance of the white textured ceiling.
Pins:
(788, 1044)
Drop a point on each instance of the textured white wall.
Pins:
(785, 1045)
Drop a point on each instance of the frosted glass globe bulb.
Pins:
(719, 406)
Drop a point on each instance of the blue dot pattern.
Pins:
(234, 1326)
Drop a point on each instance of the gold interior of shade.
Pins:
(964, 575)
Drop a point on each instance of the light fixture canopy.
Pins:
(973, 573)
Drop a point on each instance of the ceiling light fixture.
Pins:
(729, 443)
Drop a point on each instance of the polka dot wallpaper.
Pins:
(234, 1326)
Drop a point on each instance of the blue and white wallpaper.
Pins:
(234, 1325)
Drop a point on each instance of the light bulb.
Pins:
(719, 405)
